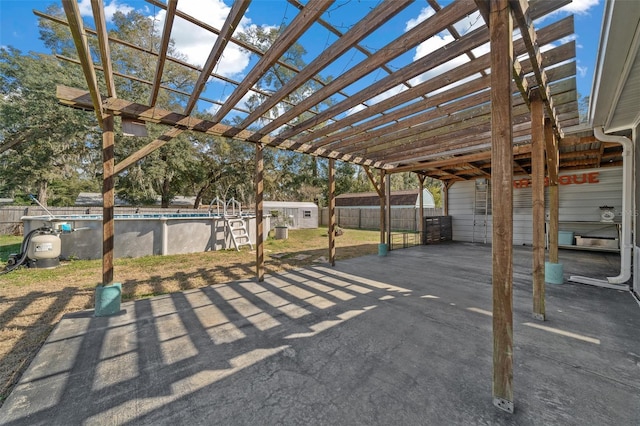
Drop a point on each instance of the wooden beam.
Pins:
(97, 7)
(167, 136)
(501, 33)
(470, 158)
(164, 47)
(359, 31)
(303, 20)
(259, 182)
(72, 11)
(537, 183)
(230, 24)
(466, 109)
(377, 185)
(552, 153)
(78, 98)
(332, 212)
(477, 170)
(108, 199)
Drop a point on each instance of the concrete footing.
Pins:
(553, 273)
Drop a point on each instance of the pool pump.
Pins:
(40, 248)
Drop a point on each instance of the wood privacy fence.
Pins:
(11, 223)
(402, 219)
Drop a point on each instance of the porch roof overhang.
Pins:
(616, 85)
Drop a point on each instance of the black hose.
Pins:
(23, 252)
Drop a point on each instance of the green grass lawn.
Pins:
(9, 244)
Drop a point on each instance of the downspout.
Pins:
(627, 208)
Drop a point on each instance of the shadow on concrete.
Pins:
(402, 339)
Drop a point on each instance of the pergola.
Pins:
(500, 108)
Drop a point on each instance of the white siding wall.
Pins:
(578, 202)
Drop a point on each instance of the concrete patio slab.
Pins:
(402, 339)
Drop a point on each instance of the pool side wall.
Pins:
(137, 237)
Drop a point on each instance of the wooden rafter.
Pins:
(552, 33)
(164, 47)
(249, 47)
(440, 56)
(358, 32)
(228, 28)
(300, 24)
(173, 60)
(149, 83)
(412, 38)
(97, 7)
(450, 136)
(413, 118)
(72, 11)
(520, 10)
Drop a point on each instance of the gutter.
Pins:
(626, 246)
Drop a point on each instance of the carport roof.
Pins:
(387, 109)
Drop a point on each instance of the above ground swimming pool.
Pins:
(139, 235)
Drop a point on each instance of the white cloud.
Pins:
(582, 71)
(109, 9)
(196, 43)
(580, 7)
(432, 44)
(469, 23)
(425, 13)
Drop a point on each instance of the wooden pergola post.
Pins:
(108, 194)
(381, 194)
(332, 212)
(537, 183)
(259, 212)
(421, 179)
(501, 33)
(387, 216)
(554, 201)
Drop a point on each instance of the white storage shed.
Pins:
(296, 214)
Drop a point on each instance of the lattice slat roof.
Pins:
(386, 110)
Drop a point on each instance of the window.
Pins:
(306, 213)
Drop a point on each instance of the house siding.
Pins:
(578, 202)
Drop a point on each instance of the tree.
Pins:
(583, 108)
(50, 143)
(292, 176)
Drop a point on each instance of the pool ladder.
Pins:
(239, 235)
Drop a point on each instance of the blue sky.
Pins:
(19, 28)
